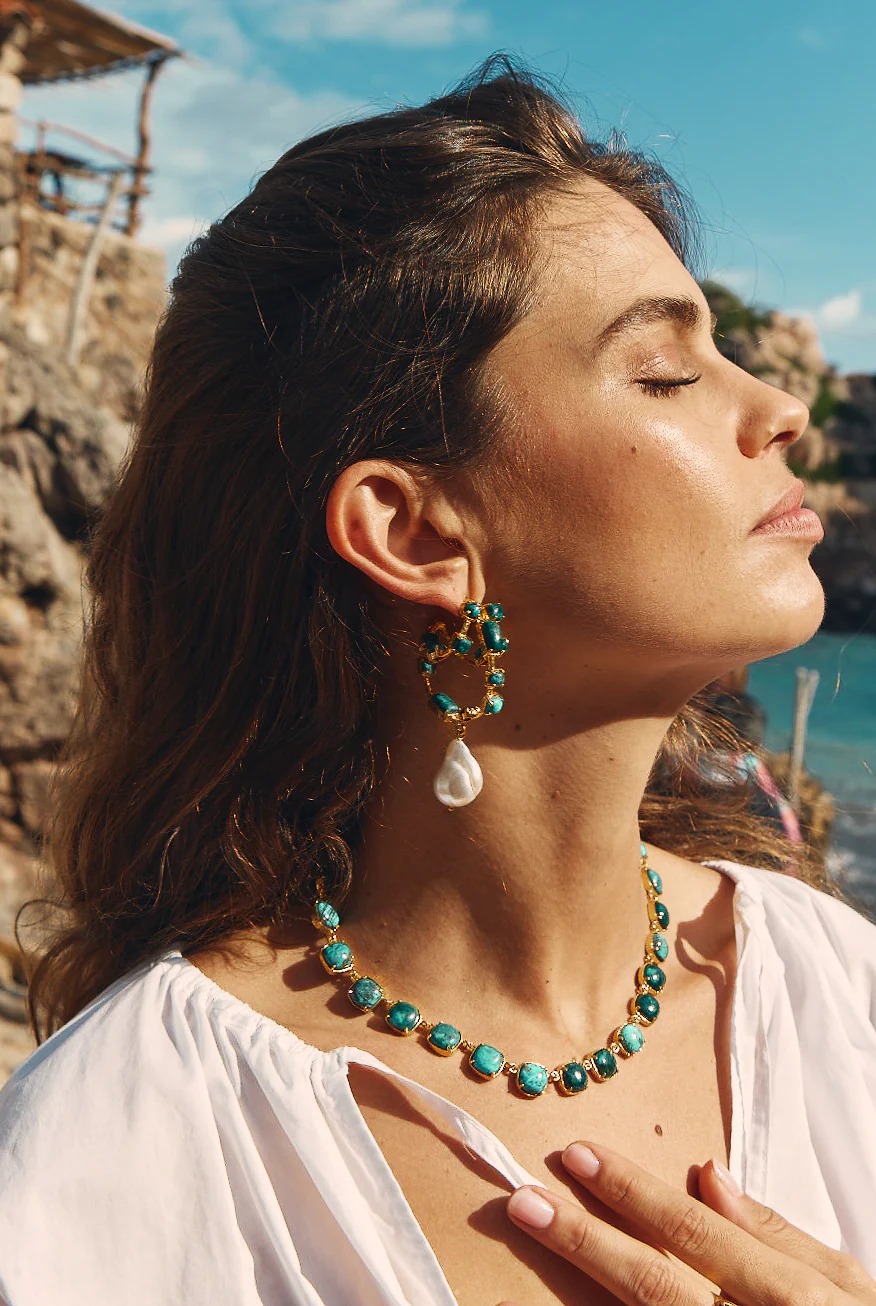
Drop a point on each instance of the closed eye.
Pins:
(665, 389)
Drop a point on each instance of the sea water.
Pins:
(840, 741)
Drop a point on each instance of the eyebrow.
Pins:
(685, 313)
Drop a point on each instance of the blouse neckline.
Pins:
(745, 892)
(330, 1069)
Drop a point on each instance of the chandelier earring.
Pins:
(479, 641)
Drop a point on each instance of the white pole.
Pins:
(807, 683)
(87, 270)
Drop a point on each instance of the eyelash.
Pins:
(665, 389)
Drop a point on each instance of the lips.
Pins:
(790, 501)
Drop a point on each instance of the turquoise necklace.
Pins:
(531, 1078)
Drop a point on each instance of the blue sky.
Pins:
(765, 112)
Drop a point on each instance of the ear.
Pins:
(407, 540)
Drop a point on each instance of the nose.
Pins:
(773, 417)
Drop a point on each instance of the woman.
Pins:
(437, 410)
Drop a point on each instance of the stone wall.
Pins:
(59, 451)
(63, 431)
(124, 304)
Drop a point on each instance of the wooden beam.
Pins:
(43, 127)
(141, 167)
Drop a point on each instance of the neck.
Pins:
(522, 913)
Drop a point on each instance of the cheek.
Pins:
(623, 526)
(621, 488)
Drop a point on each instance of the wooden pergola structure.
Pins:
(69, 41)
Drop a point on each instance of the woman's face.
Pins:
(625, 538)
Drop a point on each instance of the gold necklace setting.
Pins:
(530, 1078)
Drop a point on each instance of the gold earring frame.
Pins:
(485, 646)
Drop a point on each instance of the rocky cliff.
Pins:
(63, 432)
(836, 456)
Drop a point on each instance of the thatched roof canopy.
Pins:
(70, 40)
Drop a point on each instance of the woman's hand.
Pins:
(756, 1257)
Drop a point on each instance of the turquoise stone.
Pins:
(337, 956)
(430, 641)
(662, 914)
(444, 703)
(532, 1079)
(486, 1061)
(653, 976)
(655, 881)
(427, 667)
(462, 645)
(647, 1006)
(630, 1038)
(493, 637)
(403, 1017)
(365, 993)
(493, 704)
(444, 1038)
(604, 1063)
(496, 678)
(659, 946)
(472, 609)
(327, 915)
(643, 850)
(573, 1077)
(496, 611)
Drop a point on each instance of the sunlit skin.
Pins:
(622, 555)
(620, 546)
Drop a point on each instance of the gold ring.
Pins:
(720, 1300)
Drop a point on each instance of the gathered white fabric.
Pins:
(171, 1145)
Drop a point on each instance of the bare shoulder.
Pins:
(700, 902)
(271, 971)
(690, 880)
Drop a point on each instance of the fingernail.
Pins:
(529, 1208)
(726, 1178)
(580, 1160)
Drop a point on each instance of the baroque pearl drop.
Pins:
(460, 779)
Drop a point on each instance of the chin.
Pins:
(786, 625)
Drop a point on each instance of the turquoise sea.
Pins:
(840, 740)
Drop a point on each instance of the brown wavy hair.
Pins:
(222, 752)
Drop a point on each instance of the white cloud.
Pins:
(841, 311)
(742, 280)
(846, 328)
(216, 32)
(171, 231)
(842, 314)
(389, 22)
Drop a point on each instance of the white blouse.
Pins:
(171, 1145)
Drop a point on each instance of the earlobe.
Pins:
(380, 520)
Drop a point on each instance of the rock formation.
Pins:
(836, 456)
(63, 432)
(76, 286)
